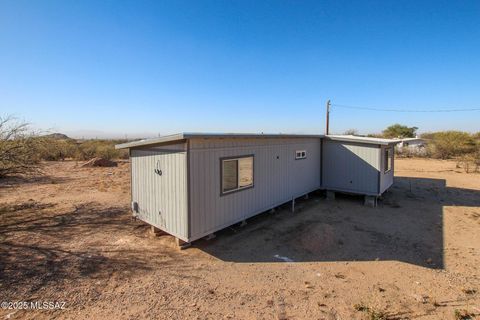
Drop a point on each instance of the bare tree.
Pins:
(352, 132)
(18, 147)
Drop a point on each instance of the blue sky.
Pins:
(158, 67)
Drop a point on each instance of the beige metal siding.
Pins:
(278, 177)
(351, 167)
(162, 199)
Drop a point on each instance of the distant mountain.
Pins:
(57, 136)
(99, 134)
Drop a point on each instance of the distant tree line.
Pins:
(54, 149)
(459, 145)
(22, 149)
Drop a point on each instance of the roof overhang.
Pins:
(146, 142)
(175, 138)
(179, 137)
(363, 140)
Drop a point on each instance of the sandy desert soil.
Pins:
(68, 237)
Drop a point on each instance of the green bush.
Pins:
(450, 144)
(95, 148)
(107, 152)
(100, 148)
(57, 149)
(399, 131)
(54, 149)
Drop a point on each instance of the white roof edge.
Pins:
(410, 139)
(369, 140)
(189, 135)
(144, 142)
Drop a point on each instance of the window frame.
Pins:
(388, 160)
(301, 157)
(222, 159)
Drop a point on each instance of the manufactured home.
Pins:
(412, 146)
(191, 185)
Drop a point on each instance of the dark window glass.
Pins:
(230, 175)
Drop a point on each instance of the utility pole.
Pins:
(327, 126)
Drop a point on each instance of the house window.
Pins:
(388, 160)
(300, 154)
(237, 173)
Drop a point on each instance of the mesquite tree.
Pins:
(18, 147)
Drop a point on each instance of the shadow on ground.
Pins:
(40, 245)
(406, 226)
(39, 179)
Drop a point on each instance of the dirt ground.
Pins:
(68, 236)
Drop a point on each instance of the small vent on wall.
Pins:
(135, 206)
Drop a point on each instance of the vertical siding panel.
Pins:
(154, 197)
(144, 188)
(273, 183)
(199, 190)
(171, 200)
(206, 216)
(192, 217)
(386, 179)
(167, 193)
(208, 184)
(180, 201)
(173, 194)
(216, 185)
(350, 167)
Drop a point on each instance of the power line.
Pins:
(404, 110)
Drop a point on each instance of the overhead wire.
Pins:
(404, 110)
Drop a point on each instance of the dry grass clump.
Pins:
(371, 312)
(463, 315)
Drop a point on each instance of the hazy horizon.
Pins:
(98, 134)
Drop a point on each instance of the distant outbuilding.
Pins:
(412, 146)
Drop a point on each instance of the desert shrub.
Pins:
(18, 148)
(21, 150)
(57, 149)
(352, 132)
(54, 147)
(100, 148)
(107, 152)
(470, 162)
(123, 154)
(371, 312)
(450, 144)
(87, 150)
(427, 135)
